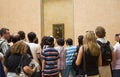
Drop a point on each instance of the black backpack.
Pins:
(106, 53)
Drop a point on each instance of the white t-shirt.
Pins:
(35, 49)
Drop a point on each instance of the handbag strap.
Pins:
(84, 62)
(21, 59)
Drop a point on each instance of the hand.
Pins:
(35, 69)
(42, 74)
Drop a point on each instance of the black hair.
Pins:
(117, 35)
(80, 40)
(22, 35)
(44, 41)
(31, 36)
(36, 40)
(69, 41)
(50, 41)
(60, 42)
(3, 31)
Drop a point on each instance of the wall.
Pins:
(20, 15)
(91, 13)
(55, 12)
(25, 15)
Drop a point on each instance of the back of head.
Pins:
(15, 37)
(117, 37)
(69, 41)
(22, 35)
(31, 36)
(19, 48)
(89, 42)
(60, 42)
(100, 32)
(44, 41)
(80, 40)
(36, 40)
(50, 41)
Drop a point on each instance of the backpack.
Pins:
(106, 53)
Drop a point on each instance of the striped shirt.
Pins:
(70, 54)
(50, 55)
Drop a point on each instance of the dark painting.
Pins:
(58, 31)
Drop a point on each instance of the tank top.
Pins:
(91, 64)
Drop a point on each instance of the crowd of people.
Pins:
(94, 56)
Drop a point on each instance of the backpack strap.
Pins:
(1, 47)
(99, 42)
(1, 43)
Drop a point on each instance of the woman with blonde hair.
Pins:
(89, 56)
(18, 58)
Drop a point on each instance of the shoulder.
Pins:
(102, 40)
(50, 49)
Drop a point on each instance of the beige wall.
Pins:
(20, 15)
(91, 13)
(56, 12)
(25, 15)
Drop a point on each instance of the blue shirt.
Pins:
(70, 54)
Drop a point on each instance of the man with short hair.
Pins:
(22, 35)
(70, 56)
(62, 59)
(35, 49)
(50, 58)
(105, 70)
(5, 35)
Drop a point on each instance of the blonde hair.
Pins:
(89, 42)
(19, 47)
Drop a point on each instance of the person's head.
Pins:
(10, 39)
(117, 37)
(50, 41)
(89, 42)
(22, 35)
(60, 42)
(19, 47)
(80, 40)
(100, 32)
(44, 41)
(69, 41)
(31, 36)
(36, 40)
(15, 37)
(5, 33)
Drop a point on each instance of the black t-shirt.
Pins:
(13, 61)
